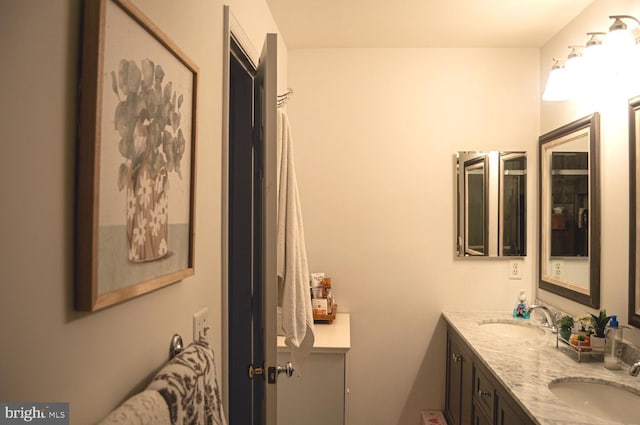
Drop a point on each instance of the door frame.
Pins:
(233, 29)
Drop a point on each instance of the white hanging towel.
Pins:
(293, 270)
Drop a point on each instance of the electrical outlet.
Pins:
(515, 269)
(557, 269)
(201, 324)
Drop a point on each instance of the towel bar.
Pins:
(176, 346)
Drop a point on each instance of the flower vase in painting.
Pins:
(151, 144)
(147, 214)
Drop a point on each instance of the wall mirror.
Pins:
(512, 204)
(634, 212)
(491, 203)
(570, 211)
(475, 206)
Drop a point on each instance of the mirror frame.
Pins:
(482, 161)
(634, 219)
(592, 122)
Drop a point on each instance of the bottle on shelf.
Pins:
(613, 345)
(329, 302)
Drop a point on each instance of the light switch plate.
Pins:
(201, 324)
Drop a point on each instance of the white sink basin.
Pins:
(512, 328)
(602, 399)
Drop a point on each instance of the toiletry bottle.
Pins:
(613, 345)
(521, 308)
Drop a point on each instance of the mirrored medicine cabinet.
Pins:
(491, 203)
(569, 260)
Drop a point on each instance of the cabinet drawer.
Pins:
(483, 391)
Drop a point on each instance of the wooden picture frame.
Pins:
(136, 158)
(634, 212)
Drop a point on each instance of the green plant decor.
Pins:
(566, 322)
(565, 326)
(599, 323)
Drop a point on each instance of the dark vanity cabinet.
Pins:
(473, 394)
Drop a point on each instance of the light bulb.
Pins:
(574, 73)
(595, 66)
(620, 41)
(556, 88)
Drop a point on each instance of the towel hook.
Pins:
(176, 346)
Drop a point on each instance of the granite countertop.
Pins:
(526, 366)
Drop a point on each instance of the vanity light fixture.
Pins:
(556, 88)
(606, 62)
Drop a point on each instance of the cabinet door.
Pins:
(459, 382)
(453, 401)
(479, 417)
(318, 396)
(483, 390)
(508, 412)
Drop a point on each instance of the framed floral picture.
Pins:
(136, 158)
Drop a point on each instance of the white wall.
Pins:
(50, 352)
(614, 159)
(375, 132)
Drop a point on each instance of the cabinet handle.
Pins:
(483, 393)
(457, 358)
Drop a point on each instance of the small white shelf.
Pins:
(328, 338)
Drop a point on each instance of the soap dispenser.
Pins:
(613, 345)
(521, 309)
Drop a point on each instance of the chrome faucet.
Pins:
(551, 321)
(635, 369)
